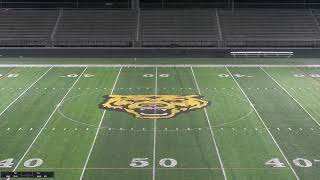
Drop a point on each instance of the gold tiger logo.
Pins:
(153, 106)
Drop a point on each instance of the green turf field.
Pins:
(260, 123)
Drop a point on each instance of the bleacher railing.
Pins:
(24, 43)
(169, 44)
(91, 43)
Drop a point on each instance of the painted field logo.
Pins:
(153, 107)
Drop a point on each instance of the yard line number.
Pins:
(144, 162)
(160, 75)
(303, 75)
(76, 75)
(9, 75)
(30, 163)
(299, 162)
(235, 75)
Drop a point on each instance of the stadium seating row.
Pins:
(193, 27)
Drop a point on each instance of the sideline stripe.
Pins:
(154, 130)
(99, 127)
(304, 109)
(254, 108)
(25, 91)
(210, 127)
(35, 139)
(137, 169)
(159, 65)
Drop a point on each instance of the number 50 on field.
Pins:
(144, 162)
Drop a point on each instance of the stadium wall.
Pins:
(145, 52)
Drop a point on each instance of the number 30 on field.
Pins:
(30, 163)
(143, 162)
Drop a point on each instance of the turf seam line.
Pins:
(303, 108)
(25, 91)
(99, 127)
(158, 65)
(48, 120)
(154, 129)
(279, 148)
(210, 127)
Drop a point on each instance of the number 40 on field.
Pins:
(299, 162)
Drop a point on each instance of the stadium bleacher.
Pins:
(179, 28)
(96, 28)
(156, 28)
(26, 27)
(263, 25)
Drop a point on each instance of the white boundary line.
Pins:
(25, 91)
(305, 110)
(210, 127)
(254, 108)
(154, 131)
(35, 139)
(98, 130)
(158, 65)
(166, 169)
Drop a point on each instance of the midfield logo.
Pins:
(153, 106)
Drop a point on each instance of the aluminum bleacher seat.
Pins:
(96, 28)
(178, 28)
(263, 25)
(26, 27)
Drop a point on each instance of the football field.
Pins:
(161, 122)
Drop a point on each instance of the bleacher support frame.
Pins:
(218, 23)
(53, 34)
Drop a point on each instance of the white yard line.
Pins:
(154, 130)
(166, 169)
(210, 127)
(24, 91)
(98, 130)
(35, 139)
(304, 109)
(159, 65)
(262, 121)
